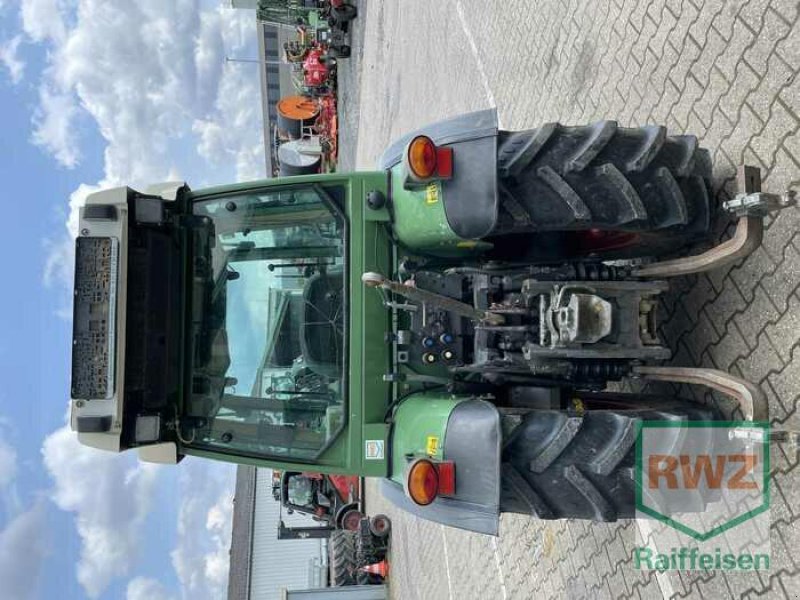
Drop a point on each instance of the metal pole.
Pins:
(256, 61)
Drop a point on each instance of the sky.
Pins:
(95, 94)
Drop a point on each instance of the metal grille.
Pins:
(96, 264)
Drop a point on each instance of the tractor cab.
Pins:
(215, 323)
(268, 340)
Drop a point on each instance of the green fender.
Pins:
(462, 429)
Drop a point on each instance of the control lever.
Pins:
(433, 299)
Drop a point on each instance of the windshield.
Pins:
(268, 371)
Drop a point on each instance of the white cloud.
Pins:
(8, 472)
(145, 73)
(43, 19)
(11, 60)
(202, 552)
(23, 541)
(60, 261)
(110, 496)
(54, 126)
(145, 588)
(23, 547)
(8, 465)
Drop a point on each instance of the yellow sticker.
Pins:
(466, 244)
(432, 447)
(577, 404)
(432, 193)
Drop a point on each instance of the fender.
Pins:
(472, 438)
(469, 200)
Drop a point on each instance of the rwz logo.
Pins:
(691, 469)
(702, 478)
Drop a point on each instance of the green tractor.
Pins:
(456, 316)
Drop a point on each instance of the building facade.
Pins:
(248, 4)
(261, 565)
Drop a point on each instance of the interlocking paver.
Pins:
(783, 333)
(726, 70)
(772, 28)
(740, 84)
(760, 362)
(778, 75)
(786, 383)
(782, 282)
(754, 268)
(759, 311)
(722, 309)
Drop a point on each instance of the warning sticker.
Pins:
(432, 445)
(374, 450)
(432, 193)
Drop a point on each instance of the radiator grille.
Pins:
(94, 316)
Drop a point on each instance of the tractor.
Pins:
(330, 499)
(458, 316)
(355, 541)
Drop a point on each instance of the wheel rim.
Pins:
(601, 240)
(351, 519)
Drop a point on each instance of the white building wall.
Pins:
(278, 563)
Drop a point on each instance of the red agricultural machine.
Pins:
(355, 541)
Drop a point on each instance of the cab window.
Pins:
(269, 351)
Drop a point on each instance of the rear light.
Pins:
(444, 163)
(427, 161)
(426, 479)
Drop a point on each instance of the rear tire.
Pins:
(342, 560)
(366, 554)
(604, 177)
(559, 465)
(345, 13)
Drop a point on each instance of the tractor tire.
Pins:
(559, 465)
(345, 13)
(343, 51)
(606, 178)
(380, 526)
(366, 554)
(342, 559)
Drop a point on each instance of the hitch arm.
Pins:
(747, 237)
(750, 398)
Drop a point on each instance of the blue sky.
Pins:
(96, 93)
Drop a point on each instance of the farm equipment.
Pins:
(306, 138)
(334, 13)
(458, 316)
(355, 541)
(313, 56)
(317, 23)
(319, 74)
(351, 552)
(334, 500)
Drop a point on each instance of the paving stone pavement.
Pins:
(726, 71)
